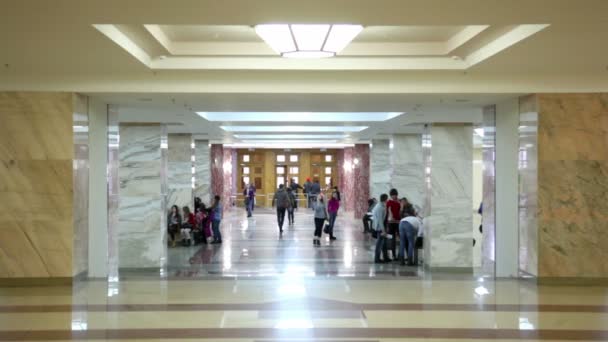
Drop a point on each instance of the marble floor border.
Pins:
(310, 305)
(315, 333)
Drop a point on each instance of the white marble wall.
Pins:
(179, 177)
(139, 238)
(80, 259)
(488, 249)
(449, 225)
(202, 167)
(408, 167)
(380, 176)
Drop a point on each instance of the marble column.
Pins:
(572, 215)
(202, 171)
(44, 171)
(179, 177)
(528, 185)
(449, 225)
(381, 170)
(140, 210)
(227, 173)
(217, 170)
(407, 174)
(361, 179)
(80, 258)
(488, 221)
(349, 179)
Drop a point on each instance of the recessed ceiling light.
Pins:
(311, 129)
(291, 136)
(307, 41)
(298, 116)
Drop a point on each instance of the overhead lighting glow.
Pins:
(298, 116)
(291, 136)
(291, 141)
(284, 145)
(479, 131)
(307, 41)
(311, 129)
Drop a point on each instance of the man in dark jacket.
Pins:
(281, 198)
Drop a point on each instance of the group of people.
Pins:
(393, 218)
(196, 228)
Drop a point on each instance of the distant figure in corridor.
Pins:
(281, 199)
(368, 217)
(332, 209)
(216, 219)
(249, 193)
(294, 187)
(321, 215)
(315, 190)
(393, 215)
(307, 187)
(292, 206)
(174, 223)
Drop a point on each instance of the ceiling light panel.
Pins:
(311, 129)
(298, 116)
(291, 136)
(290, 141)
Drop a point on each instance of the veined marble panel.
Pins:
(361, 179)
(450, 238)
(113, 192)
(408, 167)
(488, 221)
(80, 259)
(573, 185)
(36, 173)
(528, 186)
(227, 171)
(179, 173)
(202, 166)
(349, 178)
(217, 170)
(140, 235)
(381, 170)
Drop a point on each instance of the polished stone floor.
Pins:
(259, 286)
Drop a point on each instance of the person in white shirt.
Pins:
(409, 229)
(379, 214)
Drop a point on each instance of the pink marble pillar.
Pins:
(348, 182)
(361, 179)
(217, 170)
(227, 174)
(340, 162)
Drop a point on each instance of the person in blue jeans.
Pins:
(408, 231)
(379, 217)
(216, 218)
(250, 198)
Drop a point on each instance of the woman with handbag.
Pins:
(321, 216)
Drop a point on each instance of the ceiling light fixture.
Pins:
(307, 41)
(299, 129)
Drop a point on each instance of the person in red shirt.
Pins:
(393, 217)
(187, 226)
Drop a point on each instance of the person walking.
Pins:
(321, 215)
(332, 208)
(337, 193)
(281, 199)
(315, 191)
(216, 219)
(249, 198)
(292, 205)
(307, 187)
(379, 214)
(409, 227)
(294, 187)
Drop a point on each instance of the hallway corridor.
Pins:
(259, 287)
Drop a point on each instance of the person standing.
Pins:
(321, 216)
(216, 218)
(281, 199)
(338, 193)
(292, 205)
(393, 214)
(368, 217)
(307, 187)
(250, 199)
(379, 214)
(315, 191)
(332, 208)
(410, 227)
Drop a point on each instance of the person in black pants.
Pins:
(321, 216)
(281, 198)
(367, 218)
